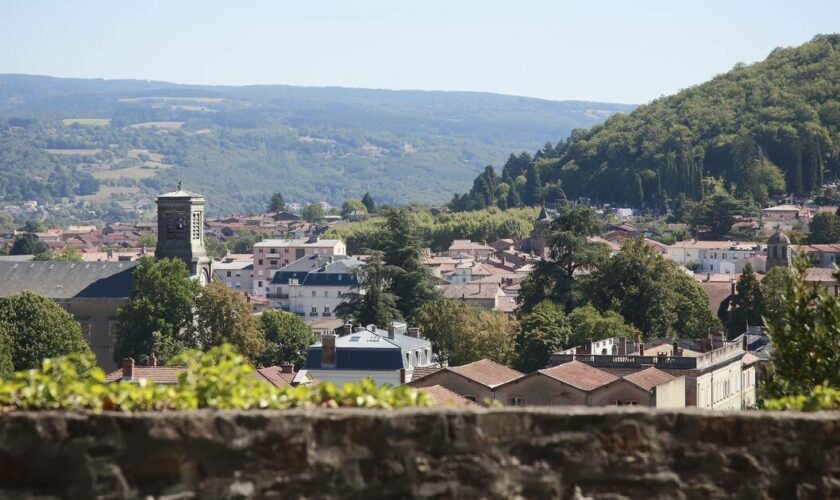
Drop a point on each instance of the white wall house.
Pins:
(716, 257)
(313, 286)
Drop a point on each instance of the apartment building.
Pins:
(271, 255)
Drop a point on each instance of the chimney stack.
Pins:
(328, 354)
(392, 330)
(414, 332)
(641, 349)
(589, 346)
(746, 343)
(128, 368)
(286, 368)
(676, 351)
(348, 328)
(152, 360)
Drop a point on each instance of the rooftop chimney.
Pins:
(314, 237)
(348, 328)
(328, 351)
(413, 332)
(676, 351)
(128, 368)
(287, 367)
(746, 343)
(392, 330)
(589, 346)
(152, 360)
(641, 349)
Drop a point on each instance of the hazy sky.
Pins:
(622, 51)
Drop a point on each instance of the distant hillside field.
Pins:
(73, 137)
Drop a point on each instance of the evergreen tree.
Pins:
(513, 200)
(373, 304)
(542, 331)
(533, 186)
(824, 228)
(369, 203)
(411, 283)
(277, 203)
(747, 304)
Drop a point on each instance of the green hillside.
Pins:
(747, 127)
(100, 142)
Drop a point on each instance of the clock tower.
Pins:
(181, 231)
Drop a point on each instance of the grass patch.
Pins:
(97, 122)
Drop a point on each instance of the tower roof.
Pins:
(779, 238)
(181, 193)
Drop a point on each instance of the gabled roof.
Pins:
(156, 374)
(487, 373)
(275, 376)
(579, 375)
(441, 396)
(64, 280)
(649, 378)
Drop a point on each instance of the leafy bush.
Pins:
(821, 398)
(218, 379)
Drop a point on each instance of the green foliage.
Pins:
(806, 338)
(161, 300)
(570, 251)
(28, 244)
(410, 281)
(542, 332)
(350, 206)
(369, 203)
(287, 338)
(588, 323)
(716, 214)
(377, 305)
(218, 379)
(216, 249)
(313, 212)
(462, 334)
(7, 365)
(222, 315)
(38, 328)
(243, 244)
(824, 228)
(747, 306)
(277, 202)
(821, 398)
(774, 289)
(651, 293)
(761, 129)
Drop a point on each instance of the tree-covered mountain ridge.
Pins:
(747, 127)
(237, 145)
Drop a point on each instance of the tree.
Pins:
(806, 350)
(223, 315)
(369, 203)
(372, 304)
(462, 334)
(542, 332)
(277, 203)
(588, 323)
(747, 306)
(774, 286)
(651, 293)
(824, 228)
(570, 250)
(7, 365)
(716, 213)
(411, 281)
(350, 206)
(313, 212)
(28, 244)
(38, 328)
(216, 249)
(244, 244)
(533, 186)
(161, 300)
(287, 338)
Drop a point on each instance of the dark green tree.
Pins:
(590, 324)
(223, 315)
(28, 244)
(716, 214)
(369, 203)
(277, 203)
(411, 281)
(313, 212)
(373, 304)
(7, 365)
(287, 338)
(533, 186)
(747, 307)
(570, 250)
(774, 288)
(38, 328)
(513, 199)
(542, 331)
(824, 228)
(161, 300)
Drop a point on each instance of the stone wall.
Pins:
(497, 453)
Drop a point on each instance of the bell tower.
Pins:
(181, 231)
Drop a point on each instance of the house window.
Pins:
(326, 309)
(273, 250)
(260, 262)
(314, 309)
(228, 274)
(286, 250)
(515, 401)
(273, 262)
(259, 283)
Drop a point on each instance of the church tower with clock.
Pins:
(181, 231)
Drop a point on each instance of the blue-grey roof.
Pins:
(319, 269)
(64, 280)
(368, 349)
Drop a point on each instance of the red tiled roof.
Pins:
(422, 371)
(649, 378)
(441, 396)
(580, 375)
(275, 376)
(749, 359)
(486, 372)
(156, 374)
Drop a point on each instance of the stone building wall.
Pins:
(422, 453)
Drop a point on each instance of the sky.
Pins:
(615, 51)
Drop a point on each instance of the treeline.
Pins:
(761, 129)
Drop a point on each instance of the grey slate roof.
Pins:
(319, 269)
(367, 349)
(64, 280)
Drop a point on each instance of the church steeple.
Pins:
(181, 231)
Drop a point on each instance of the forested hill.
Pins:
(123, 140)
(741, 127)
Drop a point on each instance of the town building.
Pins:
(271, 255)
(235, 274)
(385, 356)
(478, 251)
(313, 286)
(476, 381)
(716, 257)
(785, 218)
(276, 376)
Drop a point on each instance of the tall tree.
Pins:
(373, 304)
(350, 206)
(223, 315)
(570, 251)
(716, 213)
(369, 203)
(747, 304)
(824, 228)
(277, 203)
(161, 300)
(774, 286)
(287, 338)
(38, 328)
(313, 212)
(412, 282)
(533, 186)
(28, 244)
(542, 332)
(589, 323)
